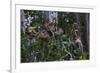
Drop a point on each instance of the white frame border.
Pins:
(58, 65)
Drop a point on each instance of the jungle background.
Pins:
(54, 36)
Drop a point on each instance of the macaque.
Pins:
(76, 37)
(79, 44)
(75, 25)
(41, 34)
(50, 27)
(53, 29)
(75, 31)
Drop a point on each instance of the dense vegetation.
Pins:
(63, 36)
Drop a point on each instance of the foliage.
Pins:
(55, 48)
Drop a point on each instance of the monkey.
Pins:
(79, 44)
(53, 29)
(76, 37)
(50, 27)
(39, 34)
